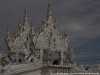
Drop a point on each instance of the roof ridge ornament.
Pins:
(8, 31)
(32, 25)
(19, 24)
(7, 35)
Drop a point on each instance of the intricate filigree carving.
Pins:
(70, 57)
(3, 59)
(31, 44)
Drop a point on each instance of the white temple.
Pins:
(36, 50)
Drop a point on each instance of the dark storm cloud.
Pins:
(81, 18)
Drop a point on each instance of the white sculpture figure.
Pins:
(32, 58)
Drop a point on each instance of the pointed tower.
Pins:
(48, 19)
(21, 40)
(25, 23)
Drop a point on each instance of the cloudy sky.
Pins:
(81, 19)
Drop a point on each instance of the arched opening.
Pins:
(56, 58)
(31, 60)
(44, 57)
(21, 58)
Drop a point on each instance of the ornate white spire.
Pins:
(48, 19)
(25, 14)
(49, 12)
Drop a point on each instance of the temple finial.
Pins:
(8, 31)
(25, 14)
(49, 13)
